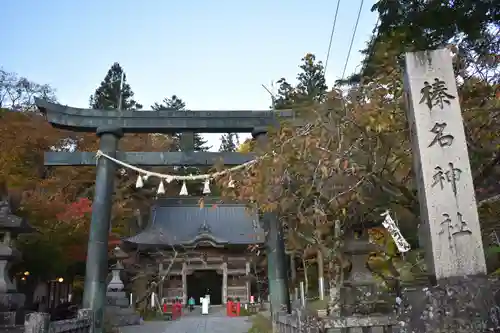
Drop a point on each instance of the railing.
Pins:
(299, 322)
(365, 324)
(39, 322)
(296, 322)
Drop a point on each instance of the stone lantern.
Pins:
(116, 283)
(118, 311)
(360, 293)
(11, 226)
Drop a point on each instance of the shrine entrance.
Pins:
(203, 282)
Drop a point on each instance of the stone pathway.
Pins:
(216, 322)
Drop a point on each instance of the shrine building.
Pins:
(211, 241)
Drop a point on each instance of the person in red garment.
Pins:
(174, 309)
(178, 305)
(164, 306)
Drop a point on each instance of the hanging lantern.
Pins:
(184, 190)
(139, 183)
(161, 188)
(206, 186)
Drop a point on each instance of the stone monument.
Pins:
(11, 225)
(461, 299)
(118, 311)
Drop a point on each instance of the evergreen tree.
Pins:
(311, 85)
(472, 26)
(175, 103)
(172, 103)
(229, 142)
(108, 94)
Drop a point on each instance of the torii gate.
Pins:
(110, 125)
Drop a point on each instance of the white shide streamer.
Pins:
(145, 174)
(388, 223)
(169, 178)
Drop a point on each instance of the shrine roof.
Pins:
(183, 221)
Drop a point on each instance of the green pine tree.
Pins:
(107, 96)
(229, 142)
(175, 103)
(199, 144)
(172, 103)
(311, 85)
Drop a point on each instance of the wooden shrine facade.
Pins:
(211, 243)
(234, 270)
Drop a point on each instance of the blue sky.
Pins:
(213, 54)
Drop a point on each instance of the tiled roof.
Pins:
(176, 221)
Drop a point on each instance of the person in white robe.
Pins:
(204, 305)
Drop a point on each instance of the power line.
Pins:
(331, 35)
(352, 39)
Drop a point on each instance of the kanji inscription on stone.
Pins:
(435, 94)
(454, 227)
(444, 140)
(449, 221)
(450, 175)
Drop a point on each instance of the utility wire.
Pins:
(331, 35)
(352, 39)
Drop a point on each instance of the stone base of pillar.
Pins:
(458, 305)
(118, 312)
(11, 309)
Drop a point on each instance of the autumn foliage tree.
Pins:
(25, 136)
(18, 92)
(353, 160)
(57, 200)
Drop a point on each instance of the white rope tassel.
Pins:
(184, 190)
(161, 188)
(139, 183)
(230, 184)
(206, 186)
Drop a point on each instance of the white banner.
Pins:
(393, 229)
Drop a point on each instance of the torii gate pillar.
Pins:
(94, 296)
(277, 268)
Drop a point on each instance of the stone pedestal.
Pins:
(117, 311)
(360, 293)
(455, 305)
(11, 312)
